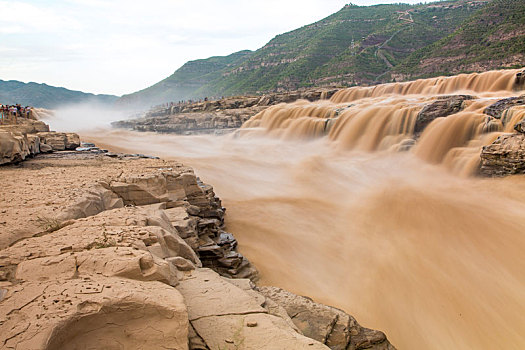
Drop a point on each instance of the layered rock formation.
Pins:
(192, 207)
(124, 266)
(506, 155)
(326, 324)
(60, 141)
(217, 116)
(30, 137)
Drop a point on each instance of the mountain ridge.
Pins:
(46, 96)
(357, 45)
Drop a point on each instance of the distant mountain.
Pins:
(360, 45)
(45, 96)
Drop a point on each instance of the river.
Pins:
(410, 243)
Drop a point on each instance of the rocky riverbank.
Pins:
(214, 117)
(133, 253)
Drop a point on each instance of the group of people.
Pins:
(11, 113)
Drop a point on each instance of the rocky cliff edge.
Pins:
(30, 137)
(142, 260)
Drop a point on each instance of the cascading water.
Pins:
(493, 81)
(384, 118)
(396, 239)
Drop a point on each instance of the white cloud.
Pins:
(23, 17)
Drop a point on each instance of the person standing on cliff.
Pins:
(12, 117)
(3, 112)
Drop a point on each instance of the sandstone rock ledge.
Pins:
(505, 156)
(214, 117)
(124, 267)
(31, 137)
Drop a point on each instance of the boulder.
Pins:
(133, 194)
(19, 141)
(496, 109)
(56, 140)
(505, 156)
(161, 187)
(184, 193)
(33, 126)
(208, 294)
(442, 107)
(181, 264)
(26, 126)
(60, 141)
(14, 147)
(72, 141)
(254, 331)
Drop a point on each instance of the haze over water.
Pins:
(399, 240)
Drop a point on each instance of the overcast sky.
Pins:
(121, 46)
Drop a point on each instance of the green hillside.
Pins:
(45, 96)
(492, 38)
(323, 53)
(360, 45)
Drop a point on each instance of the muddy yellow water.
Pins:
(410, 243)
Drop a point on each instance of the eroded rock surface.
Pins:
(30, 137)
(122, 269)
(191, 205)
(60, 141)
(442, 107)
(15, 147)
(225, 316)
(326, 324)
(496, 109)
(505, 156)
(92, 313)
